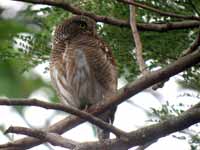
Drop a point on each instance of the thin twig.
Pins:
(193, 47)
(30, 126)
(138, 43)
(117, 22)
(163, 27)
(163, 13)
(71, 110)
(52, 138)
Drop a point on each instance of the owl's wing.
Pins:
(94, 57)
(106, 74)
(102, 63)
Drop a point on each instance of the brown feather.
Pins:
(82, 67)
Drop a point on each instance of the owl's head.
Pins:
(76, 25)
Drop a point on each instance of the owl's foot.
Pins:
(86, 107)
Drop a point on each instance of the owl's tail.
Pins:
(108, 117)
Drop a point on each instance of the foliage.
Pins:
(194, 142)
(168, 111)
(192, 77)
(17, 57)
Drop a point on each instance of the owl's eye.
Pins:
(83, 25)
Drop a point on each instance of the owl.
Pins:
(82, 67)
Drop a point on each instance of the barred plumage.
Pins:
(82, 68)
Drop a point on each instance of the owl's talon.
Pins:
(86, 108)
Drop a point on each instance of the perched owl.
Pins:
(82, 67)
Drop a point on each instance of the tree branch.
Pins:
(75, 10)
(137, 39)
(139, 137)
(52, 138)
(123, 94)
(168, 26)
(149, 133)
(71, 110)
(193, 47)
(153, 9)
(114, 21)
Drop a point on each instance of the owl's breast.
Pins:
(74, 80)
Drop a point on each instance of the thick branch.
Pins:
(71, 110)
(163, 13)
(149, 133)
(137, 39)
(114, 21)
(123, 94)
(139, 137)
(52, 138)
